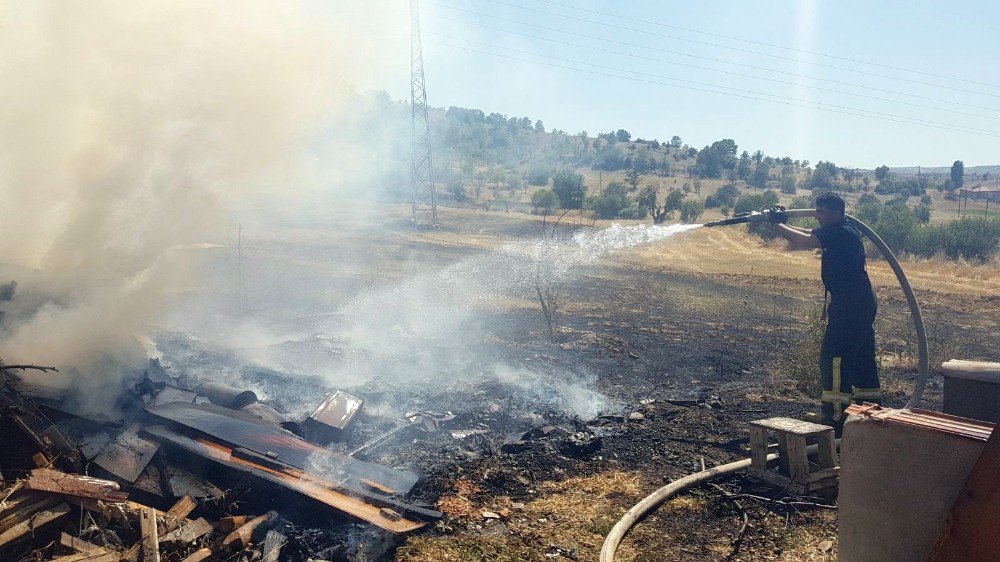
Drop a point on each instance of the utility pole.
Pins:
(421, 178)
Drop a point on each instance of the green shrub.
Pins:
(972, 238)
(691, 210)
(545, 199)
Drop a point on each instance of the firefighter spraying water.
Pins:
(847, 364)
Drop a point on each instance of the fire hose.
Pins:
(654, 500)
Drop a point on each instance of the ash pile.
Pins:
(191, 474)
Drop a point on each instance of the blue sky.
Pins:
(956, 40)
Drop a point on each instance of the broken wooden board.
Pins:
(188, 531)
(243, 431)
(199, 555)
(240, 537)
(78, 544)
(48, 480)
(318, 489)
(128, 455)
(24, 529)
(86, 552)
(104, 556)
(172, 519)
(150, 536)
(22, 505)
(227, 524)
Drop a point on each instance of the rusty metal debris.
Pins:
(192, 475)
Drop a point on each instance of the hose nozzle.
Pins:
(750, 216)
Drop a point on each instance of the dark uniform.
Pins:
(847, 359)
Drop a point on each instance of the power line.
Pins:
(764, 44)
(711, 85)
(738, 49)
(700, 57)
(819, 88)
(748, 95)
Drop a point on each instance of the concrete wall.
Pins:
(897, 483)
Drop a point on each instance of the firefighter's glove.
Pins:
(777, 215)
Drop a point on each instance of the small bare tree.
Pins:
(544, 276)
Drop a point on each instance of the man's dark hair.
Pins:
(831, 201)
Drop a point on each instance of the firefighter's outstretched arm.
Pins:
(798, 238)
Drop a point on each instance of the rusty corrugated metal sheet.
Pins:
(926, 419)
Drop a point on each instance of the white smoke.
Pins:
(131, 132)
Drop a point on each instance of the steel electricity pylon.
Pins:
(421, 177)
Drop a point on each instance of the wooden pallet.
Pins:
(792, 470)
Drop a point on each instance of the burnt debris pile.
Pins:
(191, 474)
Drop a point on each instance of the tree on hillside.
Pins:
(568, 186)
(714, 159)
(545, 199)
(958, 174)
(621, 135)
(744, 166)
(881, 172)
(691, 210)
(787, 183)
(825, 175)
(676, 141)
(539, 126)
(538, 175)
(673, 201)
(632, 176)
(612, 202)
(760, 174)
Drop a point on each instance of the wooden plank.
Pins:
(89, 557)
(240, 538)
(758, 447)
(229, 524)
(181, 509)
(188, 532)
(33, 523)
(49, 480)
(823, 474)
(23, 506)
(973, 524)
(827, 449)
(798, 462)
(150, 536)
(790, 425)
(172, 519)
(199, 555)
(364, 506)
(78, 544)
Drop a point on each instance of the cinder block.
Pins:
(900, 472)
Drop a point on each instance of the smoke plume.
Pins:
(132, 133)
